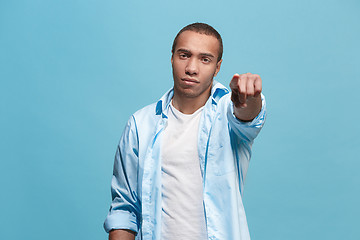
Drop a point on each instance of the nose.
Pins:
(191, 67)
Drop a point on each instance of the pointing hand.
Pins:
(244, 87)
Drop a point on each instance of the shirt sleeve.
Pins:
(247, 131)
(125, 210)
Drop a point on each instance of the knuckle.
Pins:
(243, 77)
(242, 91)
(252, 78)
(250, 91)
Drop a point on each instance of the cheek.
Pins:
(177, 68)
(210, 73)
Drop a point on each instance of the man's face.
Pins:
(194, 64)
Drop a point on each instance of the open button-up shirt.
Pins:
(224, 146)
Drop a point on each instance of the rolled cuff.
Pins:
(247, 130)
(121, 220)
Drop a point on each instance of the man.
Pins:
(181, 162)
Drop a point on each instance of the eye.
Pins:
(206, 60)
(183, 55)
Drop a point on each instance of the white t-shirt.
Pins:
(183, 215)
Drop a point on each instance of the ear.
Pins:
(172, 57)
(218, 65)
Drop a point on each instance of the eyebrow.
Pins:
(189, 52)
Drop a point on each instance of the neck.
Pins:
(188, 105)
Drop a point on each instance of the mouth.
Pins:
(190, 80)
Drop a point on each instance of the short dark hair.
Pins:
(201, 28)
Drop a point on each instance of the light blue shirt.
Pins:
(224, 146)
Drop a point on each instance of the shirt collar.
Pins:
(217, 92)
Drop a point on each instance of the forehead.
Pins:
(198, 43)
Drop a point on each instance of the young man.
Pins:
(181, 162)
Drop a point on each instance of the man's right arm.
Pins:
(121, 234)
(125, 210)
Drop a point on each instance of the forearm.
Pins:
(252, 109)
(121, 234)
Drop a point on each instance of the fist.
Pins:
(244, 87)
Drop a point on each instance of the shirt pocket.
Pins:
(220, 159)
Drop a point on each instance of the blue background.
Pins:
(72, 72)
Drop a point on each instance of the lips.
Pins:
(190, 80)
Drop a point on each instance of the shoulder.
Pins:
(154, 110)
(144, 118)
(220, 96)
(146, 111)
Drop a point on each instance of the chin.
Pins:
(188, 93)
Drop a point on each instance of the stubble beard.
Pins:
(189, 92)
